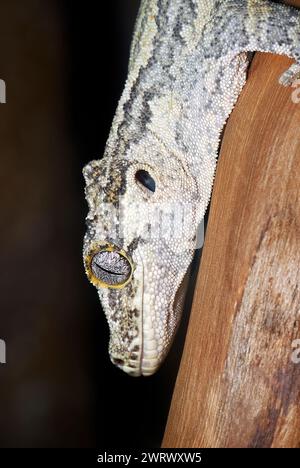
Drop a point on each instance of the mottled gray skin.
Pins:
(187, 68)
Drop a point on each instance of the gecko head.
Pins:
(140, 241)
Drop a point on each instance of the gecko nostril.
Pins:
(117, 361)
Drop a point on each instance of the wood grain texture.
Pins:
(237, 385)
(294, 3)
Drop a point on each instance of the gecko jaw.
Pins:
(149, 358)
(129, 358)
(133, 372)
(148, 364)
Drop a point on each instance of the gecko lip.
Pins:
(132, 369)
(109, 267)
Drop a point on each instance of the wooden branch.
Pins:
(237, 385)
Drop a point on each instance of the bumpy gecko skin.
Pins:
(149, 193)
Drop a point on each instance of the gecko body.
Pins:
(150, 191)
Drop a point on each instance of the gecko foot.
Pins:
(290, 75)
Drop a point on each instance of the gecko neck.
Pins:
(172, 92)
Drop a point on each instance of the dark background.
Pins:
(64, 64)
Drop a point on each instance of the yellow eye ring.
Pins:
(108, 266)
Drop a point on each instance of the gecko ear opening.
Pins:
(145, 180)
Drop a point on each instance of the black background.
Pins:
(64, 64)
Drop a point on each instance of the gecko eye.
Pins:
(109, 267)
(144, 179)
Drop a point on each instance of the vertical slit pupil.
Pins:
(145, 179)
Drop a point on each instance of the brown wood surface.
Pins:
(237, 385)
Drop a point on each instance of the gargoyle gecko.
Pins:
(148, 194)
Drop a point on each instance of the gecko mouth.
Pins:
(109, 267)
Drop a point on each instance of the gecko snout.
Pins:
(132, 369)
